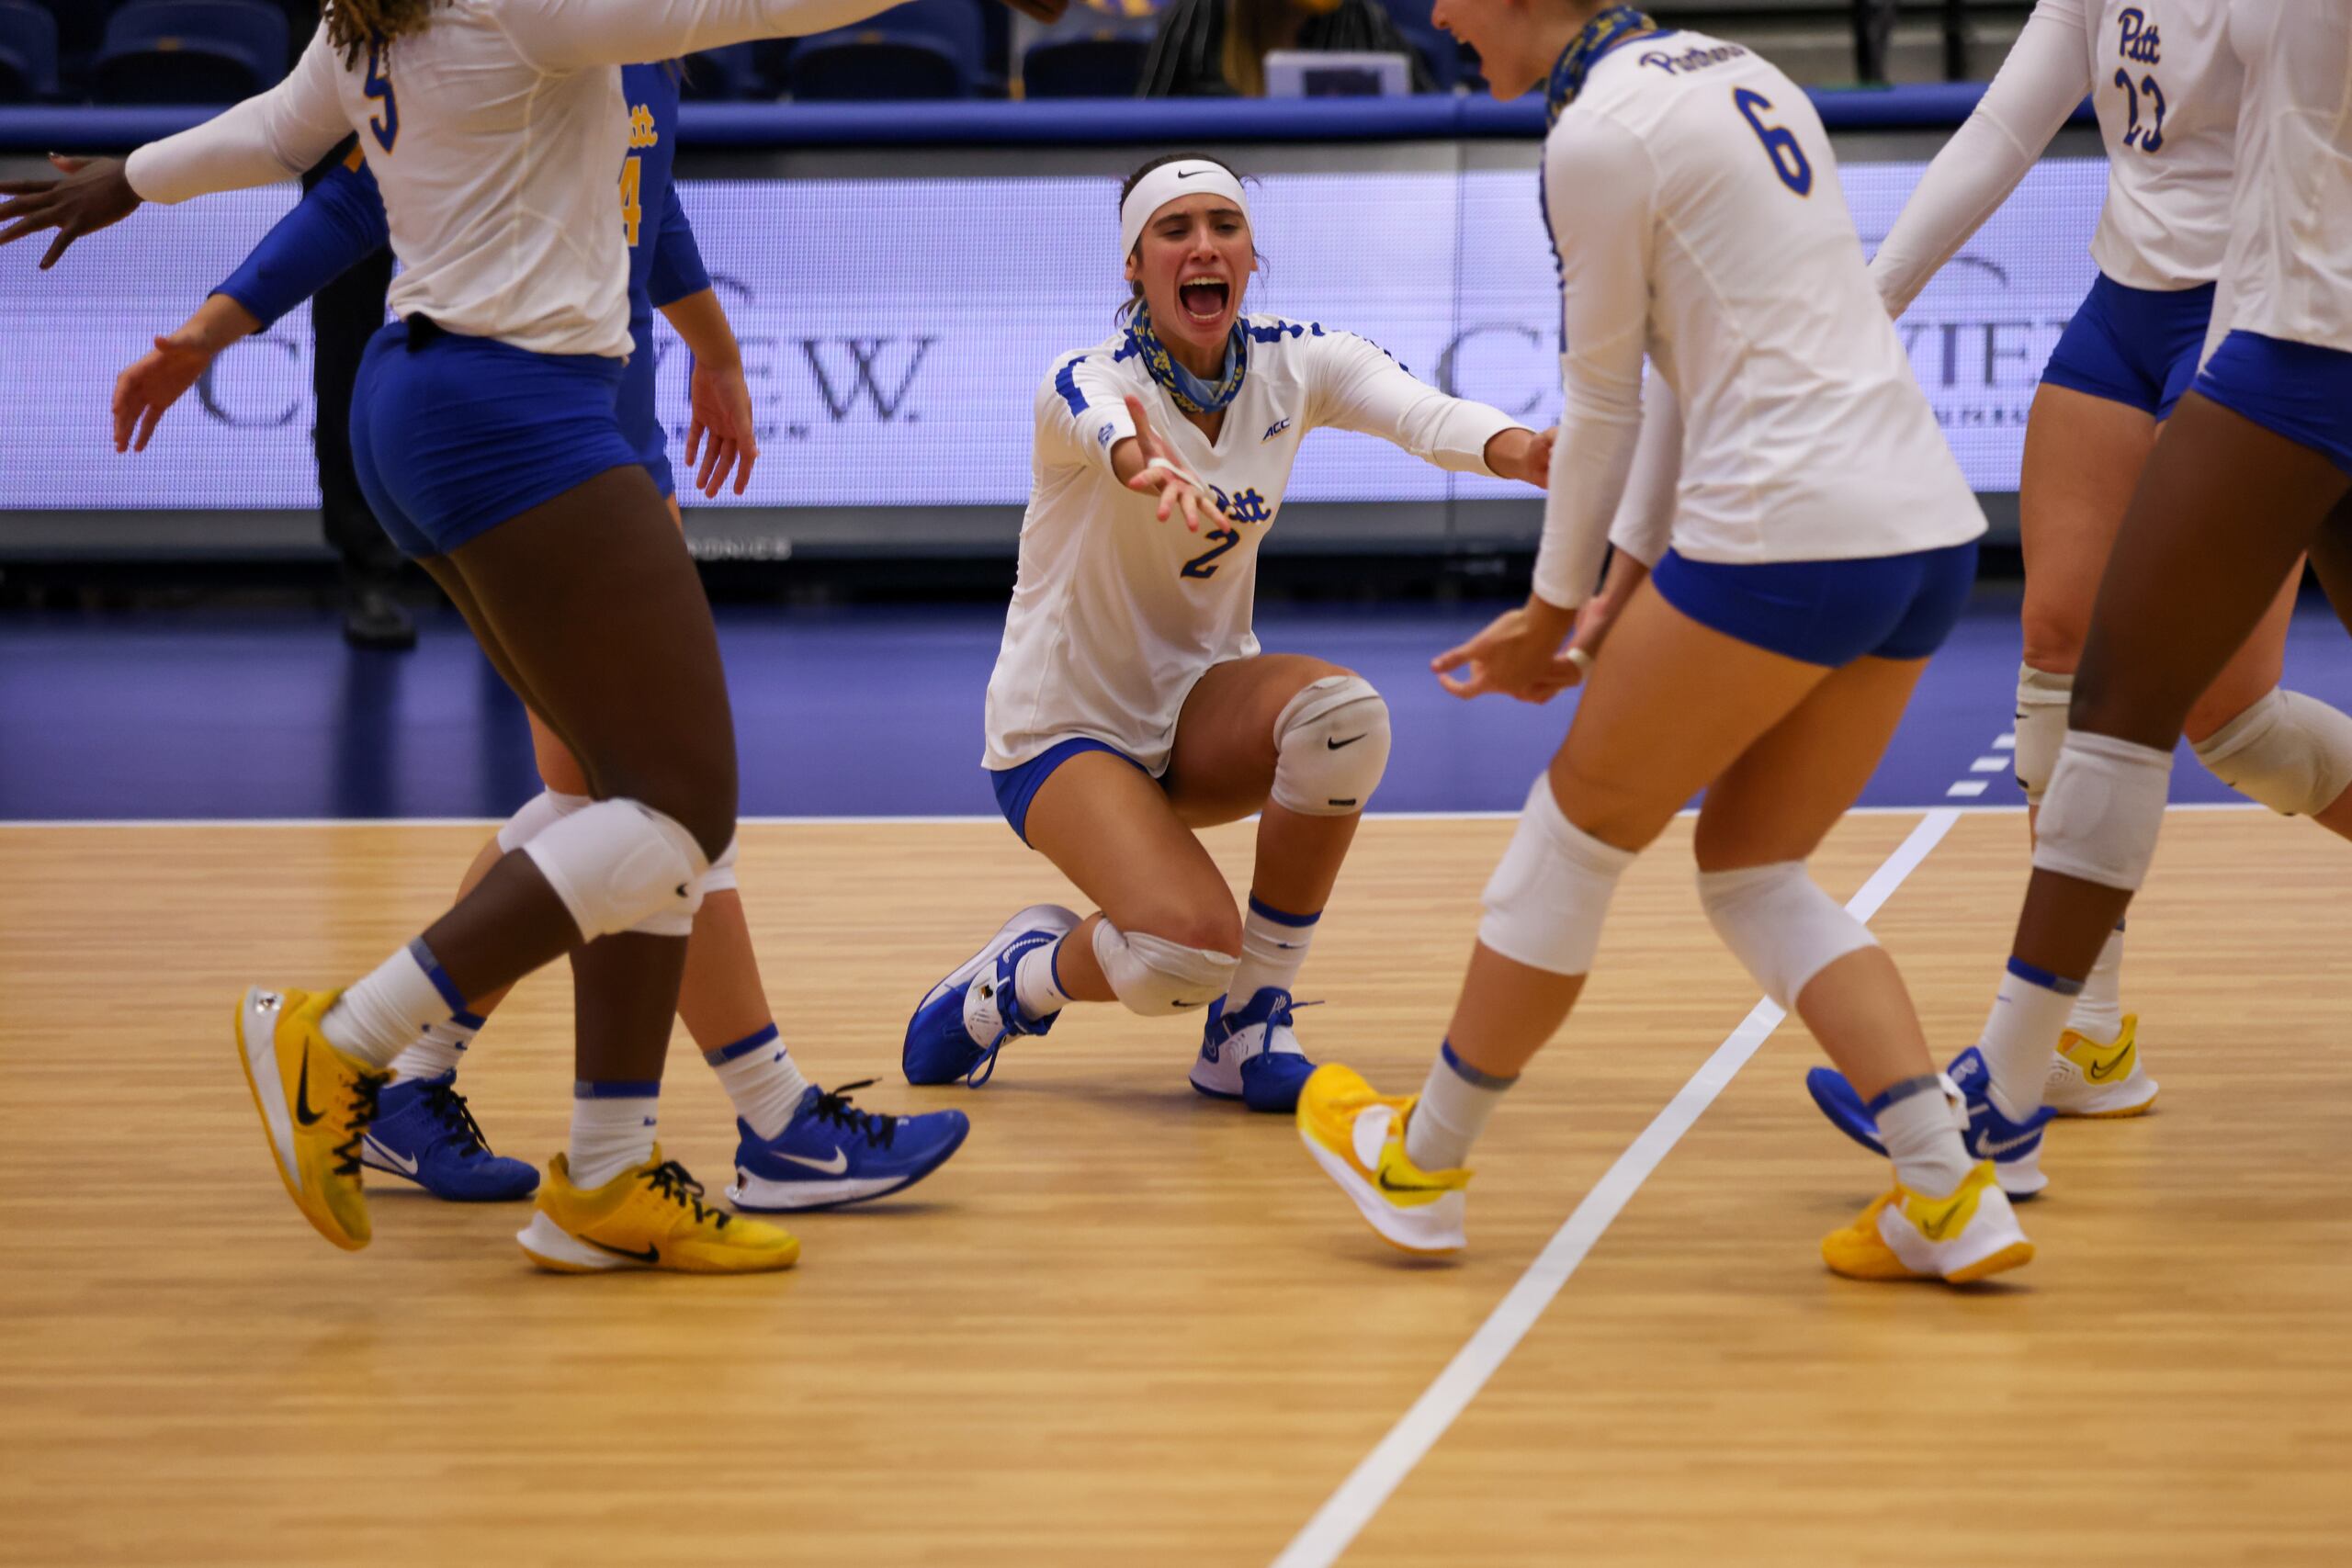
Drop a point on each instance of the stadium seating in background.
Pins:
(1096, 50)
(926, 49)
(28, 53)
(190, 51)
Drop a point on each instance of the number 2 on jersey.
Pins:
(1789, 161)
(387, 125)
(1205, 564)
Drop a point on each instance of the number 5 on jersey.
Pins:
(387, 125)
(1789, 161)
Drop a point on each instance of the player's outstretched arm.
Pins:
(1146, 463)
(94, 194)
(2045, 76)
(146, 391)
(572, 35)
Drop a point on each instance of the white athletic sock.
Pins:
(1273, 947)
(436, 1048)
(383, 1014)
(612, 1129)
(759, 1075)
(1037, 981)
(2022, 1035)
(1921, 1131)
(2099, 1012)
(1457, 1099)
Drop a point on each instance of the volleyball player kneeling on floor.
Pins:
(1131, 703)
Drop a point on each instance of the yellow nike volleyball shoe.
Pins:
(315, 1105)
(2090, 1080)
(1970, 1235)
(1357, 1135)
(651, 1217)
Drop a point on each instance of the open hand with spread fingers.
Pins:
(1164, 475)
(94, 195)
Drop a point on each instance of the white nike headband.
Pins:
(1173, 182)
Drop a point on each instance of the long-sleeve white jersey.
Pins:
(2288, 271)
(2165, 83)
(493, 133)
(1117, 614)
(1694, 204)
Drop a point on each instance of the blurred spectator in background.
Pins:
(1217, 48)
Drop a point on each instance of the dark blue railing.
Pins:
(1060, 122)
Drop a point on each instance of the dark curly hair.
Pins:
(351, 23)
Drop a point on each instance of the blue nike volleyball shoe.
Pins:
(1251, 1054)
(832, 1154)
(2014, 1148)
(967, 1018)
(424, 1133)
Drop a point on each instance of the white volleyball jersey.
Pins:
(493, 133)
(1117, 614)
(2289, 274)
(2166, 85)
(1695, 207)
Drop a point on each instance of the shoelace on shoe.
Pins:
(1014, 1025)
(669, 1179)
(448, 1107)
(364, 1090)
(876, 1128)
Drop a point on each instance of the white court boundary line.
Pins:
(1336, 1523)
(1995, 809)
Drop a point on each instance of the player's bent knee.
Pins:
(2042, 699)
(619, 866)
(1154, 975)
(1331, 746)
(539, 813)
(1779, 924)
(1549, 897)
(2105, 807)
(2290, 752)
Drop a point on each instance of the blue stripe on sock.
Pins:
(1925, 1083)
(743, 1048)
(1469, 1074)
(465, 1020)
(617, 1088)
(438, 976)
(1054, 966)
(1260, 906)
(2044, 978)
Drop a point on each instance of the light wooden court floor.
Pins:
(1128, 1325)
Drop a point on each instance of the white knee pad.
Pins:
(622, 866)
(1331, 746)
(2105, 808)
(1779, 924)
(1549, 897)
(539, 813)
(2042, 701)
(720, 877)
(1154, 975)
(2291, 752)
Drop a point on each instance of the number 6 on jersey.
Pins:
(1789, 161)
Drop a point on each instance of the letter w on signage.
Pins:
(863, 378)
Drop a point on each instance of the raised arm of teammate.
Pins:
(2045, 77)
(1360, 387)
